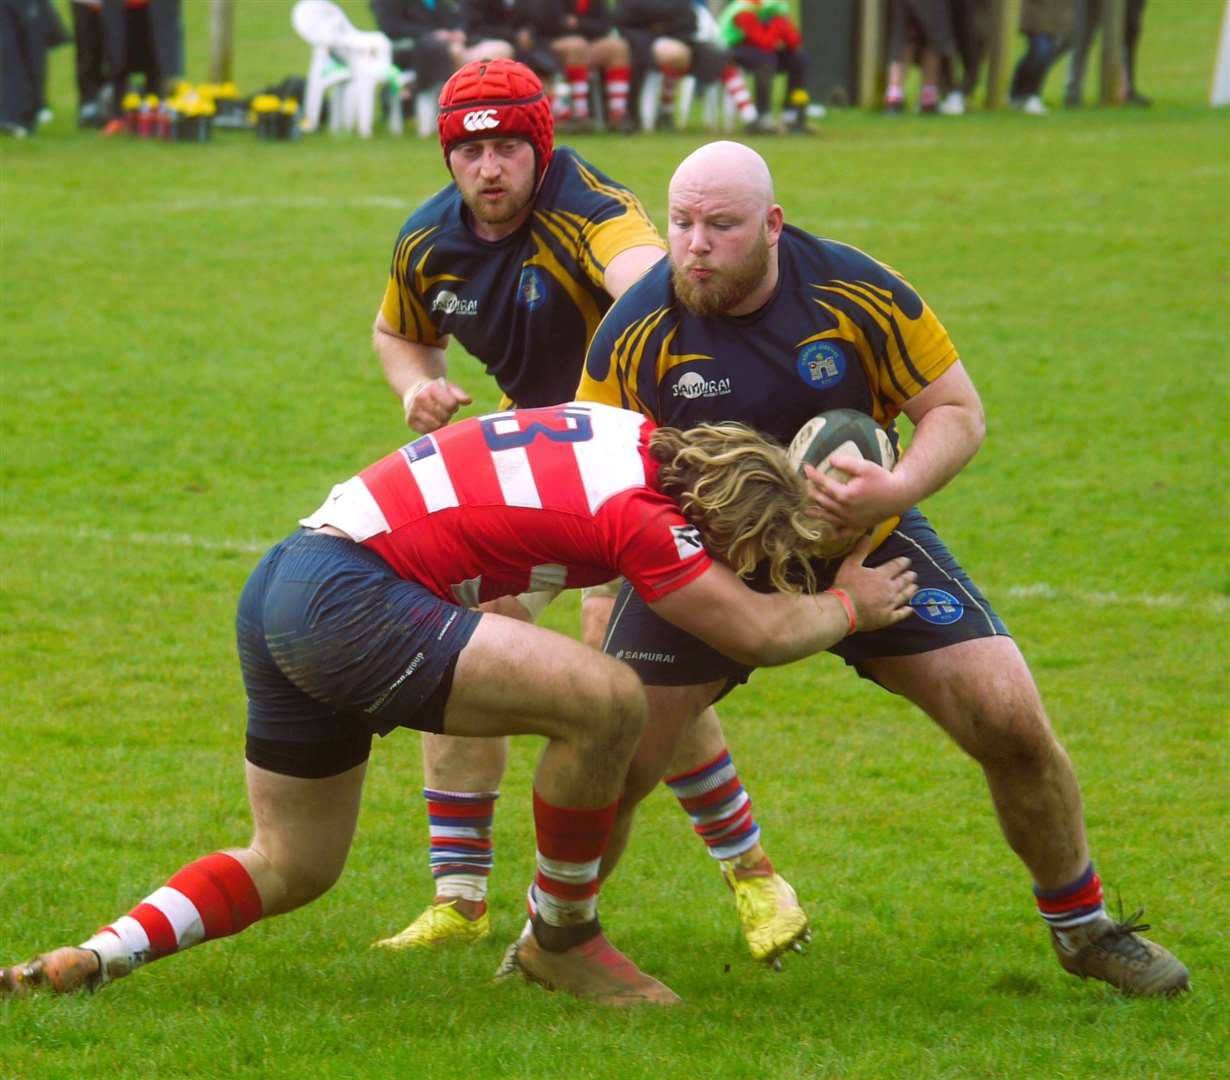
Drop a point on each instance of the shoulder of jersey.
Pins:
(655, 283)
(848, 263)
(652, 290)
(439, 209)
(573, 184)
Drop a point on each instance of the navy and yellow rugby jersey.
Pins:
(842, 331)
(526, 305)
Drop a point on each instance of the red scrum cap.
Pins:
(485, 99)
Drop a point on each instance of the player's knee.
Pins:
(1018, 737)
(619, 711)
(290, 878)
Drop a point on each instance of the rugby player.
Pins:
(754, 320)
(519, 258)
(363, 621)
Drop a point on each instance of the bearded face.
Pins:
(496, 179)
(708, 287)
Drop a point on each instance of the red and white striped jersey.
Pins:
(522, 500)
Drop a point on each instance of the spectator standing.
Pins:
(764, 40)
(919, 31)
(29, 29)
(971, 28)
(1047, 26)
(117, 39)
(1087, 19)
(23, 65)
(94, 89)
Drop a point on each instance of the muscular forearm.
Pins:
(796, 625)
(405, 363)
(757, 629)
(416, 374)
(767, 629)
(944, 441)
(949, 426)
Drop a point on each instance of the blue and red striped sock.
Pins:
(461, 848)
(721, 811)
(1074, 904)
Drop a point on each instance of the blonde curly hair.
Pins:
(749, 503)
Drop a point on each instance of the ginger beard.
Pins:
(497, 202)
(721, 289)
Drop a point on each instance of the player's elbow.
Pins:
(976, 424)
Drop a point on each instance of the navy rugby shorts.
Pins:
(948, 608)
(336, 648)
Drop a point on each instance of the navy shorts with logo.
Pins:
(336, 648)
(948, 608)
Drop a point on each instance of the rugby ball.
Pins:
(841, 431)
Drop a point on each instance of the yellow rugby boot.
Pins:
(440, 924)
(769, 910)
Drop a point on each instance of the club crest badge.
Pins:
(821, 364)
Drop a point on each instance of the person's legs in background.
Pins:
(1133, 24)
(611, 56)
(762, 65)
(794, 112)
(22, 61)
(1027, 79)
(1087, 19)
(92, 109)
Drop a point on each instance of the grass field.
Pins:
(186, 371)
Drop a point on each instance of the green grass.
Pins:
(185, 370)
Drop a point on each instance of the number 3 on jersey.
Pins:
(509, 431)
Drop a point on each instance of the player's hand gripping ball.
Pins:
(843, 432)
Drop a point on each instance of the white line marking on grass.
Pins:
(1037, 591)
(286, 202)
(88, 535)
(1104, 599)
(835, 227)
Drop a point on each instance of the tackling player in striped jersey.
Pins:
(362, 621)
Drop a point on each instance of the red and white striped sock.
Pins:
(732, 79)
(213, 897)
(617, 80)
(570, 847)
(577, 76)
(721, 811)
(561, 99)
(666, 100)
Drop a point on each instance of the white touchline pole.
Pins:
(1219, 94)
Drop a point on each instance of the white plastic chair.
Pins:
(718, 109)
(350, 66)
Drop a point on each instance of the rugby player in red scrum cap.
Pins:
(519, 258)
